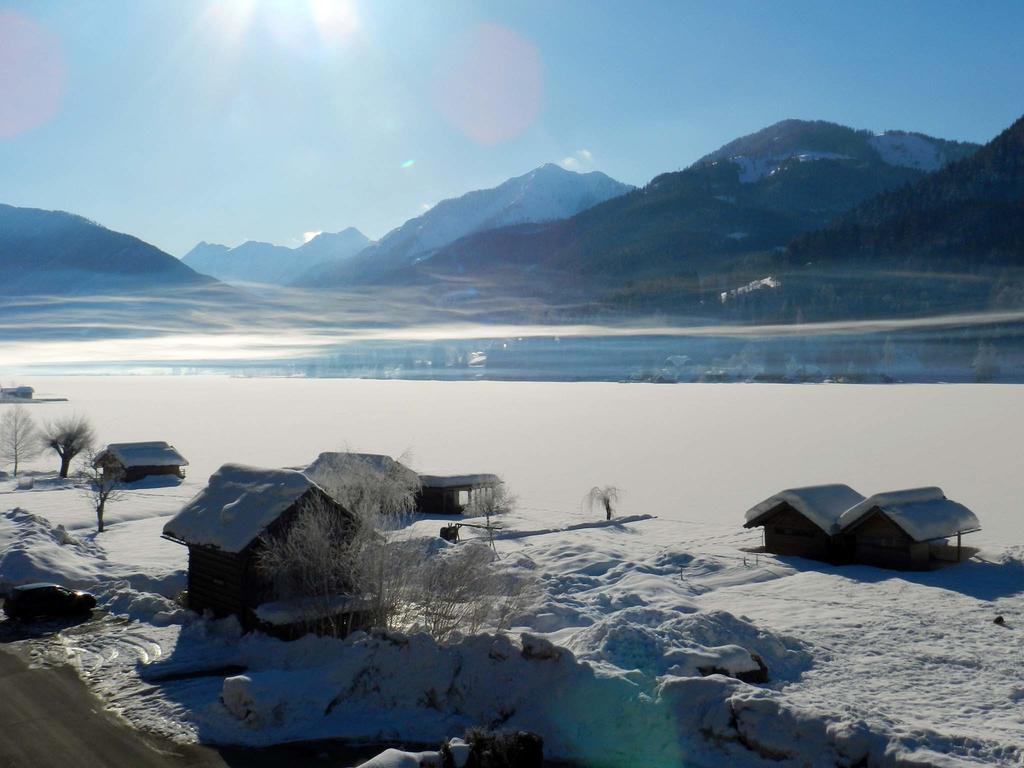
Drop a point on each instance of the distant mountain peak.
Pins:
(546, 193)
(764, 152)
(255, 261)
(61, 253)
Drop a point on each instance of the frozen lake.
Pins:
(700, 453)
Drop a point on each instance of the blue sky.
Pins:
(227, 120)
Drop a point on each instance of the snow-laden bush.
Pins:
(397, 580)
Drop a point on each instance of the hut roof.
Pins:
(924, 514)
(156, 453)
(237, 506)
(331, 468)
(459, 481)
(823, 505)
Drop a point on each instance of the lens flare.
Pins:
(31, 75)
(491, 89)
(408, 164)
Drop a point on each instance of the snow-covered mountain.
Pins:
(773, 149)
(256, 262)
(544, 194)
(58, 253)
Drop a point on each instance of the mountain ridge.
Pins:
(61, 253)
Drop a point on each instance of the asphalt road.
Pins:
(49, 718)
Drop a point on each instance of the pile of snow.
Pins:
(237, 506)
(373, 685)
(299, 609)
(823, 505)
(35, 550)
(658, 642)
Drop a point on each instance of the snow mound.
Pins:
(37, 551)
(729, 712)
(658, 642)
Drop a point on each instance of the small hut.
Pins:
(17, 393)
(223, 528)
(343, 469)
(134, 461)
(451, 494)
(804, 521)
(907, 529)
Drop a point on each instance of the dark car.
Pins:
(31, 601)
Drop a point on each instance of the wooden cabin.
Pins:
(804, 521)
(17, 393)
(451, 494)
(224, 528)
(907, 530)
(347, 471)
(134, 461)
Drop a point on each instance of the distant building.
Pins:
(17, 393)
(451, 494)
(435, 495)
(341, 468)
(908, 529)
(134, 461)
(223, 528)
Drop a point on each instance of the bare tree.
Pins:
(102, 485)
(69, 437)
(401, 580)
(313, 561)
(489, 503)
(606, 496)
(462, 590)
(19, 438)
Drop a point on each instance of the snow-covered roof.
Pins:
(923, 513)
(823, 505)
(155, 453)
(237, 505)
(298, 609)
(17, 391)
(459, 481)
(330, 468)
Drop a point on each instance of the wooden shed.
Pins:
(908, 529)
(134, 461)
(451, 494)
(804, 521)
(223, 528)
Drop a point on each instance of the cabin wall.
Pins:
(879, 541)
(439, 501)
(230, 583)
(787, 532)
(137, 473)
(216, 581)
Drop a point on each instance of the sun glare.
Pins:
(331, 23)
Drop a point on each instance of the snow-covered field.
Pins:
(900, 667)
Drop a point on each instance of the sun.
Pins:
(330, 23)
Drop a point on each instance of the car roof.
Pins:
(38, 585)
